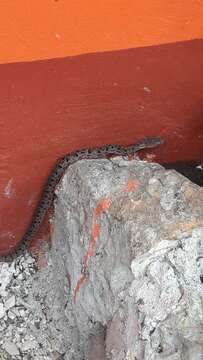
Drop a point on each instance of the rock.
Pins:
(11, 348)
(10, 302)
(124, 277)
(6, 274)
(27, 345)
(2, 310)
(127, 238)
(17, 312)
(96, 346)
(11, 315)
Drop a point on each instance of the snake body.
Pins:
(62, 164)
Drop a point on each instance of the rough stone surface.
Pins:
(21, 313)
(128, 237)
(124, 277)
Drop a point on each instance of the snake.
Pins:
(55, 175)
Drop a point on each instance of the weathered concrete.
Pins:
(128, 235)
(124, 277)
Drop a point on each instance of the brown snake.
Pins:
(62, 164)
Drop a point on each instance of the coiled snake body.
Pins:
(55, 175)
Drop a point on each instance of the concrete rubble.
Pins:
(124, 276)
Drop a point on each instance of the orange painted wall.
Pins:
(41, 29)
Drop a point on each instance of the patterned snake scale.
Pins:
(62, 164)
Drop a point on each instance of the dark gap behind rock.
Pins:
(191, 169)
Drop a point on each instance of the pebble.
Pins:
(10, 302)
(11, 315)
(27, 345)
(2, 310)
(11, 348)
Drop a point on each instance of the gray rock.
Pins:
(2, 310)
(127, 237)
(11, 348)
(124, 276)
(10, 302)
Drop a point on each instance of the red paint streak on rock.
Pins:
(95, 231)
(102, 206)
(131, 185)
(79, 283)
